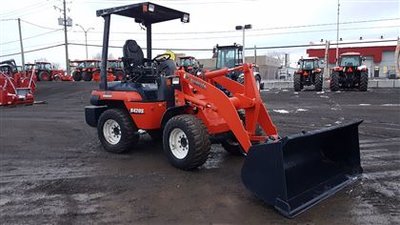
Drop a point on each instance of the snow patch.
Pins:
(390, 105)
(364, 104)
(282, 111)
(301, 110)
(324, 96)
(320, 92)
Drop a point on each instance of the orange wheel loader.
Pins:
(291, 173)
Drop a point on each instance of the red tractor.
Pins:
(88, 70)
(292, 173)
(85, 69)
(309, 73)
(116, 68)
(350, 73)
(16, 87)
(190, 64)
(45, 71)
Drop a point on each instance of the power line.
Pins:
(40, 26)
(208, 49)
(30, 37)
(33, 50)
(254, 30)
(258, 35)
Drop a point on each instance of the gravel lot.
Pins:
(53, 169)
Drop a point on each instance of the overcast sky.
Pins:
(275, 23)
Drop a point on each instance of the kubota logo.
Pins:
(198, 83)
(137, 111)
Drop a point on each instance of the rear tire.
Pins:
(87, 76)
(318, 81)
(119, 75)
(186, 142)
(363, 86)
(334, 84)
(297, 82)
(44, 76)
(116, 130)
(76, 76)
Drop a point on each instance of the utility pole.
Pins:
(326, 58)
(66, 38)
(22, 46)
(337, 34)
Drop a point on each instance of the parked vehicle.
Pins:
(351, 73)
(184, 110)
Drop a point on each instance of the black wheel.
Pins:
(318, 81)
(186, 142)
(334, 84)
(231, 144)
(116, 130)
(363, 81)
(44, 76)
(119, 75)
(87, 76)
(76, 76)
(57, 78)
(297, 82)
(258, 83)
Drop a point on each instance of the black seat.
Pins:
(136, 67)
(133, 54)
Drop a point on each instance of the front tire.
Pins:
(186, 142)
(87, 76)
(363, 81)
(258, 83)
(116, 131)
(318, 82)
(297, 82)
(44, 76)
(76, 76)
(334, 84)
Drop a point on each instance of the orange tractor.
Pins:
(16, 87)
(45, 71)
(88, 70)
(116, 68)
(291, 173)
(350, 73)
(309, 73)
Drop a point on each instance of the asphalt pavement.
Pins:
(53, 169)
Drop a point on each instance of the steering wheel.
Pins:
(162, 57)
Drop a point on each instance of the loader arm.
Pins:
(202, 93)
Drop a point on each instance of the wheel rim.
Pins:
(258, 84)
(112, 132)
(178, 143)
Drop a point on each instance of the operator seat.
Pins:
(133, 54)
(142, 76)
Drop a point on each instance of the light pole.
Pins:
(85, 32)
(337, 34)
(245, 27)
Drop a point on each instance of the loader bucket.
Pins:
(298, 171)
